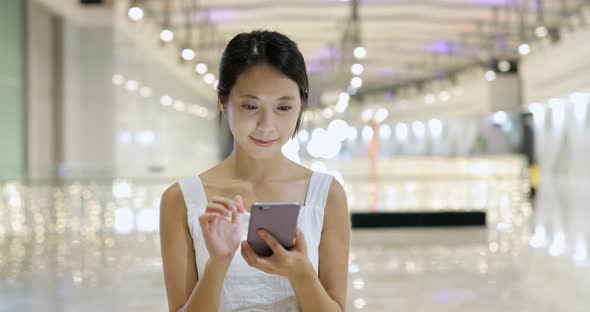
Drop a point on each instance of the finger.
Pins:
(217, 208)
(299, 234)
(235, 217)
(220, 206)
(254, 260)
(212, 207)
(230, 204)
(264, 265)
(208, 218)
(276, 247)
(249, 255)
(240, 201)
(300, 243)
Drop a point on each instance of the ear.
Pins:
(222, 106)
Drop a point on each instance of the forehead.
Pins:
(264, 80)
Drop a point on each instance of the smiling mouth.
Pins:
(262, 142)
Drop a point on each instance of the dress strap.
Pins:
(194, 195)
(319, 187)
(317, 196)
(195, 199)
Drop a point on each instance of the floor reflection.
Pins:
(94, 246)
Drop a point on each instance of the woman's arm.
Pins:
(186, 290)
(328, 291)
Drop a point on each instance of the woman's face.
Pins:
(262, 111)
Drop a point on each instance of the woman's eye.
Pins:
(249, 107)
(285, 108)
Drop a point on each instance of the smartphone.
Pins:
(278, 219)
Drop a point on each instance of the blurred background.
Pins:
(459, 129)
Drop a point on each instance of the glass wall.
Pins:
(12, 136)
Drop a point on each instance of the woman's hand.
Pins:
(222, 236)
(282, 262)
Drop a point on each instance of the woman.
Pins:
(262, 91)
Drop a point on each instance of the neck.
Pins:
(245, 167)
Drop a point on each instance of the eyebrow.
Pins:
(254, 97)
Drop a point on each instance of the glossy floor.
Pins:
(91, 247)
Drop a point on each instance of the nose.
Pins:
(265, 120)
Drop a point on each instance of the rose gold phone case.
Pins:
(279, 219)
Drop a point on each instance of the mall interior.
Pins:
(457, 128)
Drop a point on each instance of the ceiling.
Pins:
(406, 41)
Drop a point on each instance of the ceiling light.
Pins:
(166, 35)
(504, 66)
(541, 31)
(360, 52)
(166, 100)
(209, 78)
(356, 82)
(201, 68)
(490, 75)
(429, 98)
(188, 54)
(524, 49)
(357, 69)
(135, 14)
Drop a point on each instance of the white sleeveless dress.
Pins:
(246, 288)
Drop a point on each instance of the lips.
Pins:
(263, 142)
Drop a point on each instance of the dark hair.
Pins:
(262, 47)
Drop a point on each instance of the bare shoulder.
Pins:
(173, 192)
(336, 191)
(172, 202)
(336, 210)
